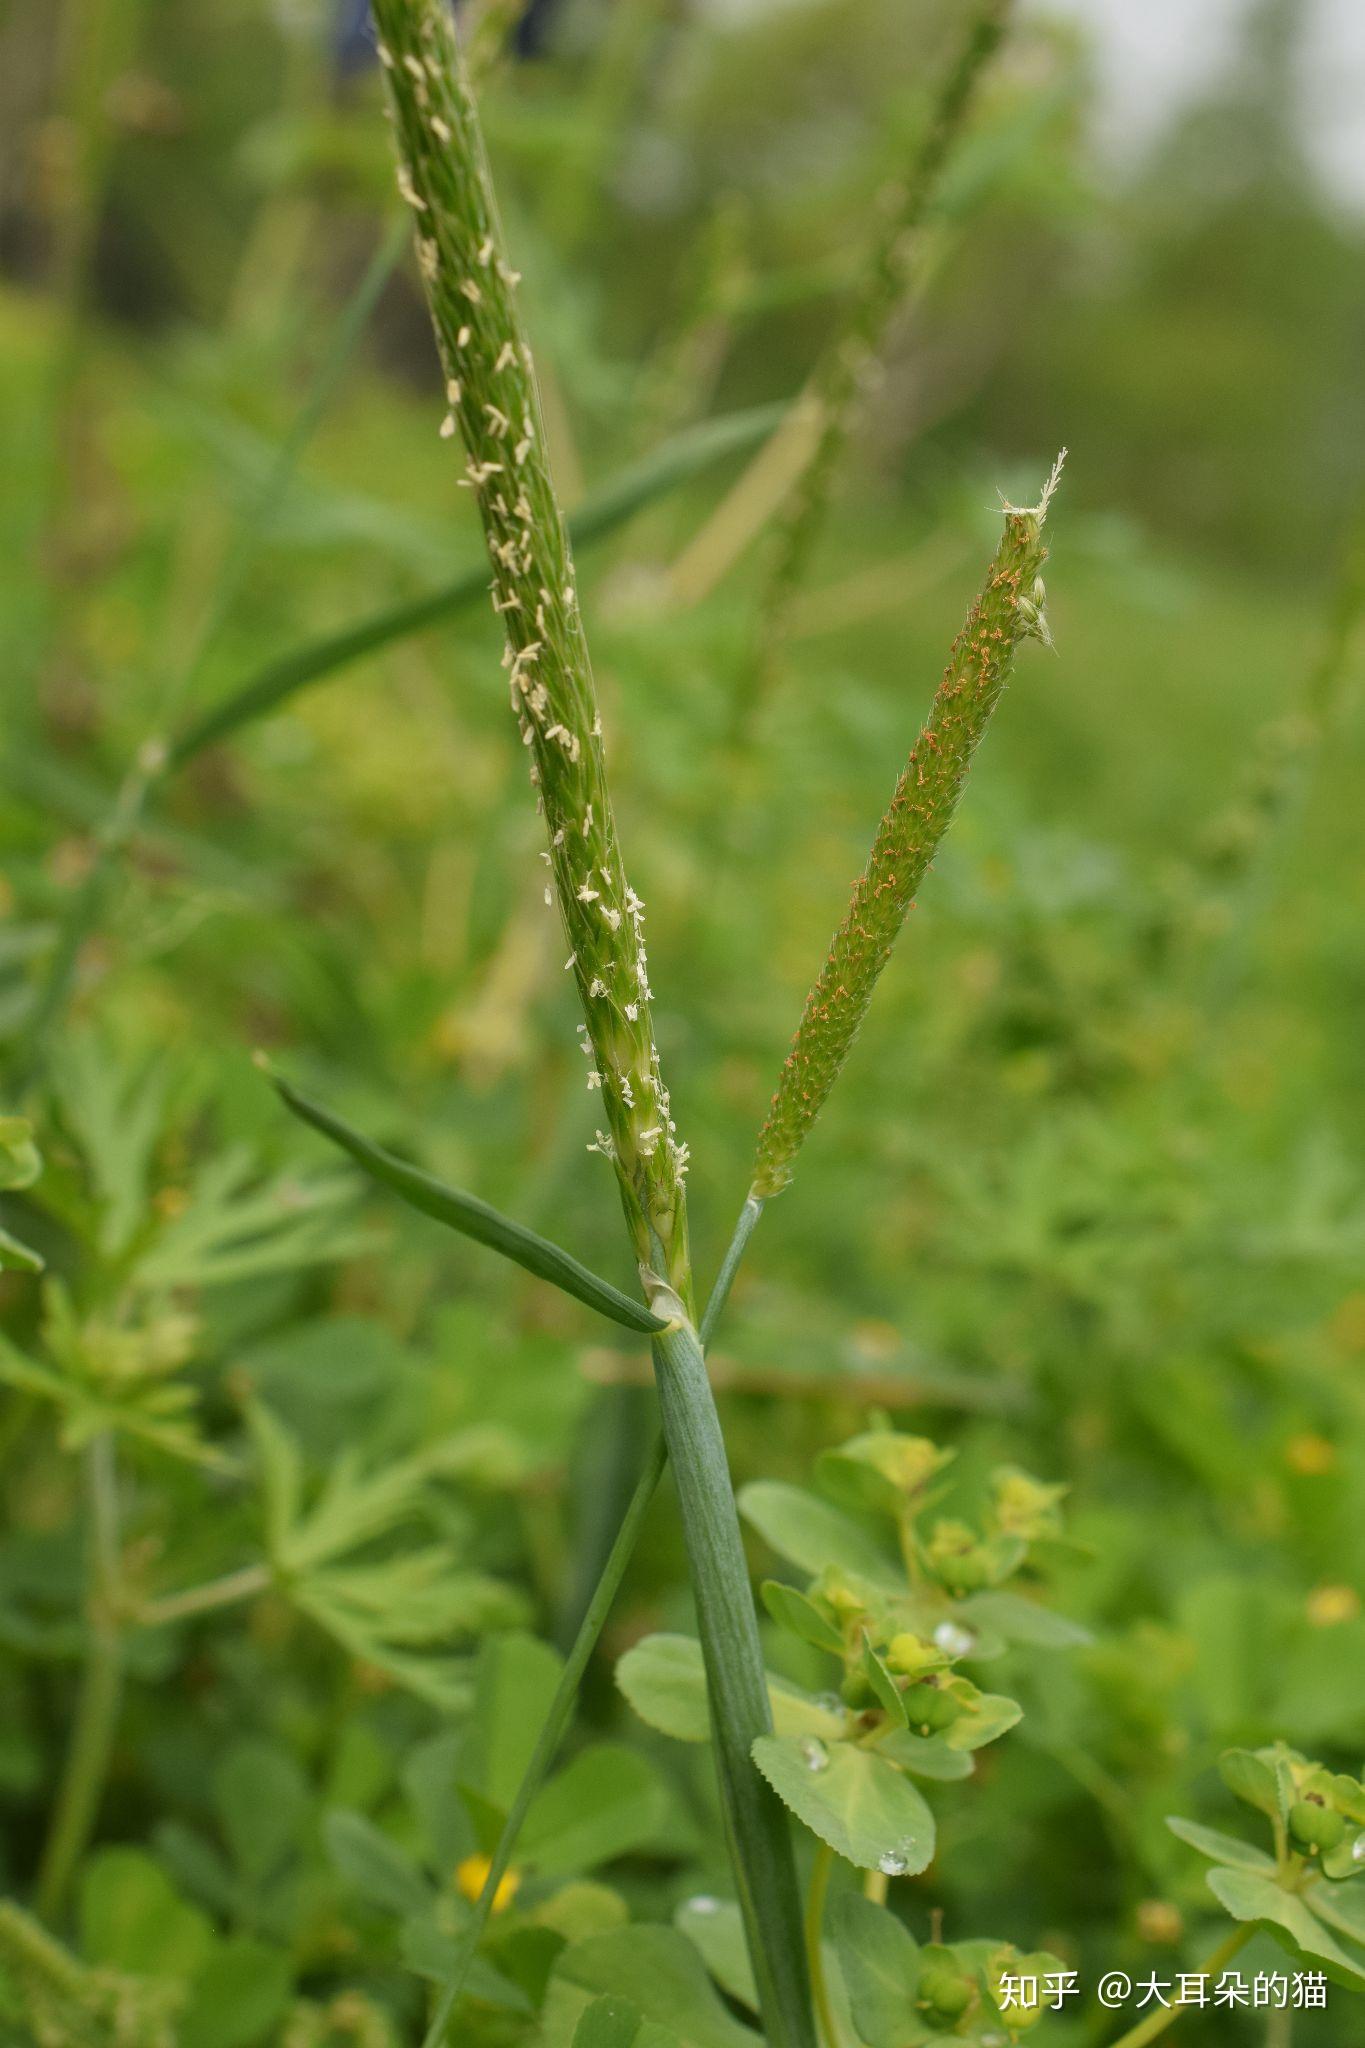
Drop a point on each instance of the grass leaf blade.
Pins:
(678, 460)
(471, 1217)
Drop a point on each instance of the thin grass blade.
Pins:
(471, 1217)
(641, 484)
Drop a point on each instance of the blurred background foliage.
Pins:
(1090, 1197)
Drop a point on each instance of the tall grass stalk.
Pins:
(589, 1629)
(830, 402)
(495, 409)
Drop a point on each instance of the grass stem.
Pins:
(1164, 2016)
(92, 1733)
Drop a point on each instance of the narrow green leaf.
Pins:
(471, 1217)
(801, 1617)
(889, 1695)
(673, 464)
(1220, 1848)
(880, 1962)
(851, 1798)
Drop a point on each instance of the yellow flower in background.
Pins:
(1328, 1605)
(472, 1875)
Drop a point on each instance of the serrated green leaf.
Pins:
(1250, 1897)
(880, 1962)
(851, 1798)
(657, 1971)
(1220, 1848)
(812, 1534)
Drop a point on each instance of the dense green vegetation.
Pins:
(304, 1496)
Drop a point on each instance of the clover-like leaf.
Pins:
(880, 1962)
(656, 1970)
(851, 1798)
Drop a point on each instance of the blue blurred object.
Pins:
(354, 33)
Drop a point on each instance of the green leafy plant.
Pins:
(1310, 1893)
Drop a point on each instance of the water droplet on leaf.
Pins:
(892, 1864)
(704, 1904)
(953, 1639)
(1358, 1849)
(814, 1755)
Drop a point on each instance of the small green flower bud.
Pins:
(910, 1656)
(930, 1708)
(944, 1993)
(1314, 1826)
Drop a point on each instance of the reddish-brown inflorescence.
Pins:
(1008, 610)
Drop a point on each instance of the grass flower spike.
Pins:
(1009, 609)
(495, 409)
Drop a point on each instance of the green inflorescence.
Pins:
(1009, 609)
(495, 410)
